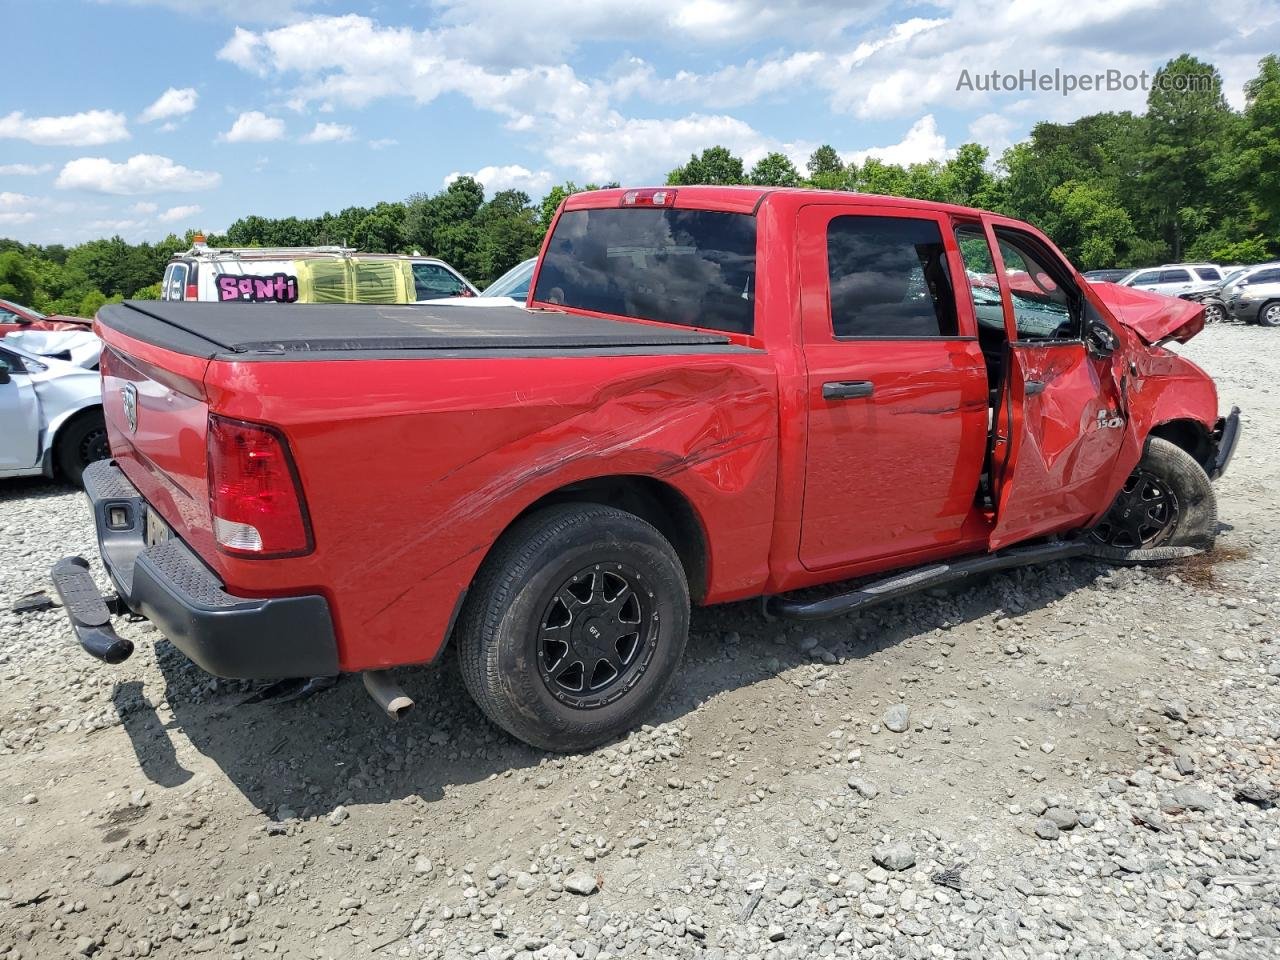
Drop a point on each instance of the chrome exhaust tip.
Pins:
(387, 694)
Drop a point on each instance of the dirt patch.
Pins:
(1202, 569)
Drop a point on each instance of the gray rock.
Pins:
(894, 856)
(1184, 763)
(1064, 818)
(1046, 829)
(790, 898)
(113, 872)
(1193, 798)
(583, 884)
(897, 718)
(866, 788)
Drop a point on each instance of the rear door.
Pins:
(19, 415)
(1060, 418)
(896, 390)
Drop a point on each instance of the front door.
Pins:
(896, 391)
(1060, 419)
(19, 415)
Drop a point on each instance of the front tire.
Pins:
(1215, 311)
(1269, 315)
(574, 626)
(1168, 501)
(81, 442)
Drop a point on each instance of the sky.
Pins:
(145, 117)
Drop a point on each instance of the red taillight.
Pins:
(648, 198)
(254, 493)
(193, 292)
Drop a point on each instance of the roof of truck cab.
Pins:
(744, 199)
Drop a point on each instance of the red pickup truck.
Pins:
(717, 394)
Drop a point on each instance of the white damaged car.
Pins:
(50, 408)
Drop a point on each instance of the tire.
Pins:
(567, 561)
(1169, 502)
(1269, 315)
(80, 443)
(1215, 311)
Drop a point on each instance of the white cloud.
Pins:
(86, 129)
(328, 133)
(253, 126)
(242, 11)
(922, 143)
(510, 177)
(383, 142)
(145, 207)
(24, 169)
(172, 103)
(13, 208)
(141, 173)
(173, 214)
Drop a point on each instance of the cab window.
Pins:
(431, 281)
(888, 278)
(1174, 276)
(1151, 276)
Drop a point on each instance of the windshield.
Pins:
(34, 314)
(514, 283)
(695, 268)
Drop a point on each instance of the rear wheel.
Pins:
(81, 442)
(575, 626)
(1167, 501)
(1269, 315)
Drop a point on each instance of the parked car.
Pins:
(717, 393)
(305, 275)
(74, 346)
(50, 415)
(511, 289)
(1106, 276)
(1175, 279)
(1254, 296)
(15, 317)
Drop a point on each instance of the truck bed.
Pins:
(264, 331)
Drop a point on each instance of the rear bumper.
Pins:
(1226, 435)
(226, 635)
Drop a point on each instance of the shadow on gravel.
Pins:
(151, 743)
(304, 758)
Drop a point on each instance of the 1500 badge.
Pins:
(1110, 420)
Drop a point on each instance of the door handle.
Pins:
(1033, 387)
(847, 389)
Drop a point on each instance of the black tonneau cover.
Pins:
(266, 331)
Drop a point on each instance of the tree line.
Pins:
(1188, 179)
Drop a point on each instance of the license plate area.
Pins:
(157, 530)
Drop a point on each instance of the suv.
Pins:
(1175, 279)
(1254, 296)
(306, 275)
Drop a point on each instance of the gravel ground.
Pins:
(1072, 761)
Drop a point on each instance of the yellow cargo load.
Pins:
(355, 281)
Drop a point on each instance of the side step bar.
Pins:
(90, 617)
(922, 578)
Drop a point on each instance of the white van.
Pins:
(306, 275)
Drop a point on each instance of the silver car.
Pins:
(50, 415)
(1254, 296)
(1175, 279)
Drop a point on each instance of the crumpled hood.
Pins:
(1152, 316)
(75, 346)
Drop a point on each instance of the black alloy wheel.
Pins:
(596, 634)
(1145, 514)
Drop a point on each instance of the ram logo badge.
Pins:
(130, 398)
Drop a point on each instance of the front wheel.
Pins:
(1215, 311)
(574, 627)
(1167, 501)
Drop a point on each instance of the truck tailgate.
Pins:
(157, 419)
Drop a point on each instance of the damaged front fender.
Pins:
(1154, 317)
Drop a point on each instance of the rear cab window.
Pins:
(693, 268)
(431, 281)
(888, 279)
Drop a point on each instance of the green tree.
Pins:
(17, 279)
(716, 165)
(774, 170)
(826, 169)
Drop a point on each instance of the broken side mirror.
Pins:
(1100, 339)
